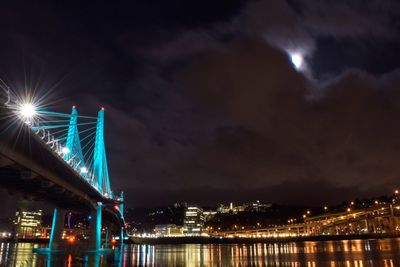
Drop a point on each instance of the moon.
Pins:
(297, 60)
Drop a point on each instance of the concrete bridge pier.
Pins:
(121, 235)
(95, 228)
(57, 229)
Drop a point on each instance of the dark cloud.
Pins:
(299, 25)
(338, 34)
(247, 120)
(350, 18)
(344, 134)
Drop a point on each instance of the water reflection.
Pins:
(329, 253)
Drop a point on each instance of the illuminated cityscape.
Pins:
(354, 219)
(360, 218)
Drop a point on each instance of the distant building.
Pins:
(225, 208)
(209, 215)
(180, 204)
(168, 230)
(193, 221)
(234, 209)
(28, 223)
(258, 206)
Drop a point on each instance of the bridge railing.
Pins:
(59, 149)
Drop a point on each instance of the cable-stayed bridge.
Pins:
(59, 158)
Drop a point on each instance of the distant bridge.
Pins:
(381, 218)
(54, 157)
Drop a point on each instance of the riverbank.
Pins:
(218, 240)
(25, 240)
(382, 252)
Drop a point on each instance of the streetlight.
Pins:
(27, 110)
(65, 150)
(84, 170)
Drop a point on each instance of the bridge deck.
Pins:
(30, 167)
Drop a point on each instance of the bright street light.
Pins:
(84, 170)
(27, 110)
(65, 150)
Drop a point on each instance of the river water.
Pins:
(359, 253)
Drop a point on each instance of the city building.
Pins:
(168, 230)
(234, 209)
(193, 221)
(28, 223)
(180, 204)
(209, 215)
(258, 206)
(231, 208)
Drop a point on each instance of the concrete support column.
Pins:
(95, 227)
(57, 228)
(366, 226)
(373, 226)
(121, 235)
(106, 239)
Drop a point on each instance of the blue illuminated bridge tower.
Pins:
(60, 158)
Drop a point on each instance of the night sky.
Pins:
(203, 103)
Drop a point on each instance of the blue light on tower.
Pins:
(100, 158)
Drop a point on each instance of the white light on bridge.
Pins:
(65, 150)
(84, 170)
(27, 110)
